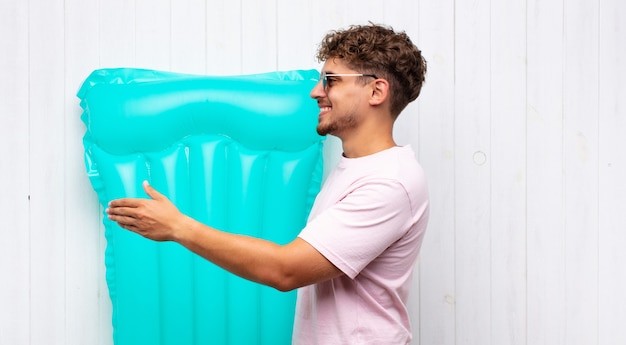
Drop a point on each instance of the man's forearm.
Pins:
(251, 258)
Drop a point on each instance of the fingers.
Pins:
(121, 211)
(123, 221)
(126, 202)
(120, 214)
(137, 202)
(151, 191)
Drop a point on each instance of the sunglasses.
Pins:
(324, 77)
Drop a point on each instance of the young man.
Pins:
(353, 261)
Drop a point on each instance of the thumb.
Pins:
(152, 193)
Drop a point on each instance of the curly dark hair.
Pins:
(379, 50)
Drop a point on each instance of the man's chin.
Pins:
(322, 131)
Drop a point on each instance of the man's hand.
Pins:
(156, 218)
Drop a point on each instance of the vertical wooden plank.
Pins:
(545, 210)
(14, 175)
(189, 44)
(117, 33)
(153, 36)
(364, 11)
(47, 157)
(437, 293)
(403, 18)
(612, 170)
(82, 211)
(508, 172)
(580, 163)
(327, 15)
(334, 15)
(258, 36)
(295, 43)
(224, 32)
(472, 172)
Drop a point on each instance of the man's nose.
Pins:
(318, 91)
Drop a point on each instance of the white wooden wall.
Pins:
(521, 129)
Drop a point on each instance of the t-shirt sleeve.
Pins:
(361, 226)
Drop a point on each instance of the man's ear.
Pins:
(380, 92)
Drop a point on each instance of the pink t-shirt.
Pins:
(369, 221)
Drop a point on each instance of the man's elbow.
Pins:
(285, 283)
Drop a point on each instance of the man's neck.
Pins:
(366, 145)
(373, 134)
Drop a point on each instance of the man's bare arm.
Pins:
(284, 267)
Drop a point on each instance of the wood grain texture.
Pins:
(612, 169)
(14, 175)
